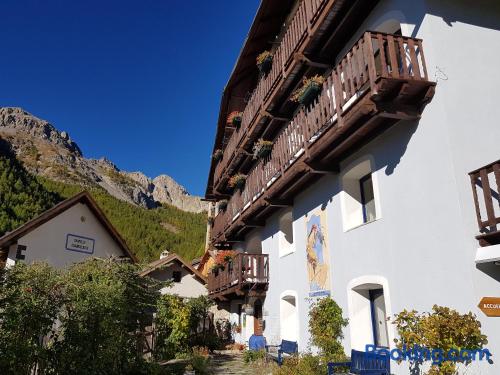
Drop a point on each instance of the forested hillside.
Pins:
(147, 232)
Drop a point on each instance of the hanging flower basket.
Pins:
(262, 149)
(223, 205)
(217, 155)
(237, 181)
(248, 309)
(265, 62)
(234, 119)
(310, 89)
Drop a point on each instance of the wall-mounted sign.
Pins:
(80, 244)
(490, 306)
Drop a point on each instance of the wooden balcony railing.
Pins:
(302, 24)
(487, 180)
(245, 271)
(379, 64)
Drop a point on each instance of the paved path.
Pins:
(229, 363)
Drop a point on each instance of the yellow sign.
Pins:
(490, 306)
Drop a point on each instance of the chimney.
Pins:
(164, 254)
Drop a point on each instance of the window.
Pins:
(367, 198)
(177, 276)
(359, 196)
(286, 233)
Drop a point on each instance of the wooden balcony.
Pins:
(487, 202)
(306, 27)
(246, 274)
(381, 80)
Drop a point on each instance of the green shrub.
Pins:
(325, 325)
(253, 355)
(306, 364)
(30, 300)
(443, 328)
(100, 306)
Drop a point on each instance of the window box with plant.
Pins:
(265, 62)
(234, 119)
(223, 205)
(262, 149)
(237, 181)
(222, 260)
(217, 156)
(311, 87)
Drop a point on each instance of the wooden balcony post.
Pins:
(488, 199)
(370, 60)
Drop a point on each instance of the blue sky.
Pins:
(137, 81)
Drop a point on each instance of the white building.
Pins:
(366, 195)
(68, 233)
(186, 281)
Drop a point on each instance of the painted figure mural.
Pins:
(317, 255)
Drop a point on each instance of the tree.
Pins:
(325, 325)
(444, 329)
(31, 298)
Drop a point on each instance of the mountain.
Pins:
(50, 153)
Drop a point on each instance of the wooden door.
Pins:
(257, 319)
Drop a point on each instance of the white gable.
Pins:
(70, 237)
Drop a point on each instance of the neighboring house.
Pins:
(186, 281)
(366, 193)
(69, 232)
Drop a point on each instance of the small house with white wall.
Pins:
(68, 233)
(186, 281)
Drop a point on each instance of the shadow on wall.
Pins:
(490, 269)
(484, 13)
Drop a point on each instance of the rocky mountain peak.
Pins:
(48, 152)
(14, 119)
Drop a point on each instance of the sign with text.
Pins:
(80, 244)
(490, 306)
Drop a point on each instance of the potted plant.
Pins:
(237, 181)
(262, 148)
(248, 309)
(223, 205)
(189, 370)
(265, 62)
(234, 119)
(310, 89)
(217, 155)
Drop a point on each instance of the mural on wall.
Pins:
(317, 254)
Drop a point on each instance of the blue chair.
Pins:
(362, 363)
(286, 347)
(257, 343)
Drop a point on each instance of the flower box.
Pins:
(311, 87)
(265, 62)
(237, 181)
(234, 119)
(262, 149)
(217, 155)
(223, 205)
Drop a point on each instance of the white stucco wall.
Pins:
(48, 242)
(422, 247)
(188, 287)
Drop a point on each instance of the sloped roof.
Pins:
(85, 198)
(171, 258)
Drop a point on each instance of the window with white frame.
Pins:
(286, 245)
(359, 195)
